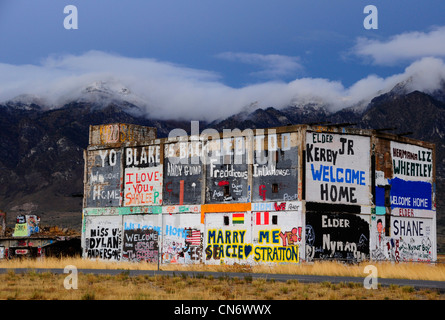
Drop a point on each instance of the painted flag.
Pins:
(262, 218)
(193, 237)
(238, 218)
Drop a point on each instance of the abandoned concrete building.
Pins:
(28, 239)
(264, 196)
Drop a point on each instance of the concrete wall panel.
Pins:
(143, 176)
(338, 168)
(411, 239)
(278, 236)
(118, 134)
(227, 238)
(102, 237)
(103, 178)
(275, 167)
(142, 238)
(182, 238)
(143, 186)
(227, 171)
(183, 173)
(337, 236)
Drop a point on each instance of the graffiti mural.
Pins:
(26, 225)
(337, 236)
(411, 162)
(182, 173)
(278, 246)
(412, 203)
(103, 238)
(143, 186)
(141, 237)
(141, 245)
(102, 188)
(227, 244)
(143, 178)
(119, 133)
(337, 168)
(182, 241)
(411, 186)
(414, 238)
(227, 238)
(260, 237)
(277, 234)
(226, 171)
(379, 249)
(275, 174)
(410, 239)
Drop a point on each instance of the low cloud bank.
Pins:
(168, 91)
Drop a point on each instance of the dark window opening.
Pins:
(274, 187)
(274, 219)
(226, 191)
(387, 196)
(387, 224)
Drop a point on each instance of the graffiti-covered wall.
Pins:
(228, 238)
(103, 178)
(143, 176)
(182, 237)
(275, 167)
(227, 170)
(281, 195)
(337, 168)
(272, 235)
(102, 237)
(141, 236)
(118, 134)
(26, 225)
(183, 173)
(411, 185)
(278, 232)
(172, 235)
(403, 227)
(411, 239)
(340, 236)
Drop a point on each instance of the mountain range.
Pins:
(42, 166)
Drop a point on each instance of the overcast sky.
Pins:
(215, 57)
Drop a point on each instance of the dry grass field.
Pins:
(48, 286)
(415, 271)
